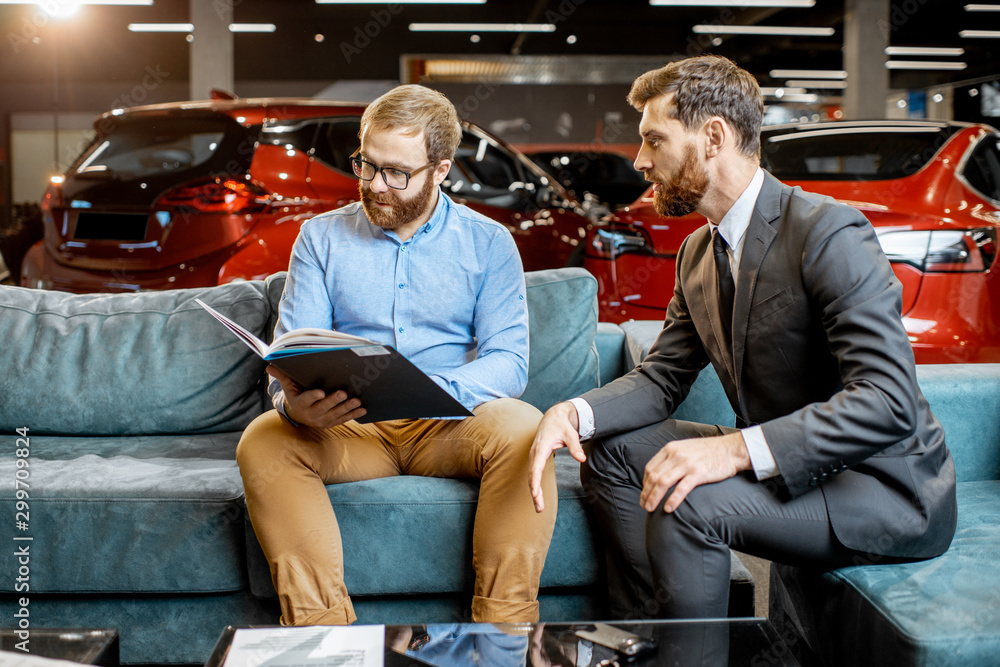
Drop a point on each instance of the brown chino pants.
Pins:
(285, 470)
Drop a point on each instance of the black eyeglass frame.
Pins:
(357, 162)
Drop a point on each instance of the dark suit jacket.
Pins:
(820, 360)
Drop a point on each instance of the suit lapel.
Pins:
(759, 236)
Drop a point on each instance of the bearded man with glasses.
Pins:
(408, 267)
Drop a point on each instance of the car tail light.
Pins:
(609, 242)
(943, 250)
(216, 196)
(53, 197)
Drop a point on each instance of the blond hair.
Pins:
(413, 109)
(703, 87)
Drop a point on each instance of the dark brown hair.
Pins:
(703, 87)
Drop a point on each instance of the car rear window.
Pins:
(850, 153)
(147, 147)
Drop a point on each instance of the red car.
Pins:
(196, 194)
(931, 189)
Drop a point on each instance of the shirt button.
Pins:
(401, 285)
(400, 329)
(403, 248)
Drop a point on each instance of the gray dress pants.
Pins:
(677, 565)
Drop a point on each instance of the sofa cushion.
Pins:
(941, 612)
(562, 316)
(426, 523)
(122, 364)
(144, 514)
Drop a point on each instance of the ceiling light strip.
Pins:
(805, 4)
(980, 34)
(924, 64)
(777, 30)
(252, 27)
(809, 98)
(482, 27)
(44, 4)
(161, 27)
(923, 51)
(982, 8)
(401, 2)
(784, 90)
(808, 74)
(815, 83)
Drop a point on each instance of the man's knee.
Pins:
(700, 513)
(512, 421)
(260, 453)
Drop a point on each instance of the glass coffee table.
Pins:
(746, 642)
(92, 647)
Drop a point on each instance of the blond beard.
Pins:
(403, 211)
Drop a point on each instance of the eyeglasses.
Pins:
(397, 179)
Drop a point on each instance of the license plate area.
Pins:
(92, 226)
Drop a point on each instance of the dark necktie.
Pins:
(727, 288)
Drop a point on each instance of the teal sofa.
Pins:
(133, 405)
(941, 612)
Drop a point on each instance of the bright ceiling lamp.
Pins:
(924, 64)
(923, 51)
(982, 8)
(482, 27)
(808, 74)
(778, 30)
(734, 3)
(161, 27)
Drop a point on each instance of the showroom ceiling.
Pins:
(313, 41)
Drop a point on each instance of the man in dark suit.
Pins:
(836, 459)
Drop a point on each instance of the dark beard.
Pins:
(403, 210)
(683, 193)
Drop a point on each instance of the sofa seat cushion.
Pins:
(413, 535)
(145, 514)
(943, 611)
(124, 364)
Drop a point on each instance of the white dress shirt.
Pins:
(732, 228)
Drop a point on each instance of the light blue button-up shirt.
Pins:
(451, 298)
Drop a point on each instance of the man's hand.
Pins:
(690, 463)
(560, 427)
(314, 407)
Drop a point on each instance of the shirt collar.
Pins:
(736, 221)
(440, 213)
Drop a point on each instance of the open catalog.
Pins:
(388, 384)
